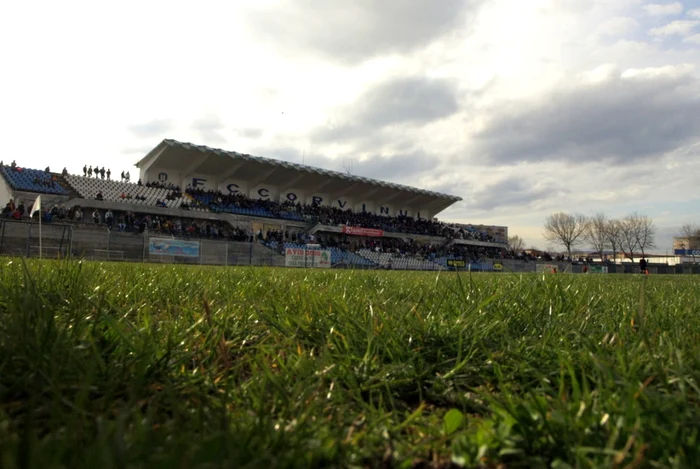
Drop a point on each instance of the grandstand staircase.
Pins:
(314, 228)
(72, 193)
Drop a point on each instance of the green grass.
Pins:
(122, 365)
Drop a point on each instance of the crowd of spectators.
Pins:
(398, 246)
(102, 173)
(401, 224)
(12, 211)
(533, 256)
(46, 179)
(316, 213)
(131, 222)
(88, 171)
(216, 201)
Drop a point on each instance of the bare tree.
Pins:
(646, 233)
(596, 234)
(516, 244)
(565, 229)
(628, 239)
(690, 237)
(637, 233)
(613, 234)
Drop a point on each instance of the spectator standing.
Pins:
(109, 218)
(643, 266)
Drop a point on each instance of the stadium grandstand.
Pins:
(239, 209)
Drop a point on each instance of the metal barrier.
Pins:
(96, 242)
(21, 238)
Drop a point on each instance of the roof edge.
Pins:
(297, 166)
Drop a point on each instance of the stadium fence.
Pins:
(64, 241)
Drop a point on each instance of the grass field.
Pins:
(122, 365)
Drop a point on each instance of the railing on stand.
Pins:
(21, 238)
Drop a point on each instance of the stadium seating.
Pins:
(252, 208)
(25, 179)
(342, 256)
(398, 262)
(338, 256)
(88, 188)
(315, 214)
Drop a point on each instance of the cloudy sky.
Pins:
(520, 107)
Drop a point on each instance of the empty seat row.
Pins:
(117, 191)
(338, 255)
(400, 262)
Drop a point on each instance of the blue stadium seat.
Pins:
(257, 211)
(24, 180)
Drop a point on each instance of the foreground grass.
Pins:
(105, 365)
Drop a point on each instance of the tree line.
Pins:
(630, 235)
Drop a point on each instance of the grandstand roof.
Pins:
(175, 154)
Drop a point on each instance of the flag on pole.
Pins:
(36, 207)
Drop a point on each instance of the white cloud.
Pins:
(85, 90)
(664, 9)
(675, 28)
(600, 74)
(620, 26)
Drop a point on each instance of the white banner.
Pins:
(320, 258)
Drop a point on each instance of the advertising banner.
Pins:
(456, 263)
(173, 247)
(357, 231)
(598, 269)
(686, 252)
(319, 258)
(295, 257)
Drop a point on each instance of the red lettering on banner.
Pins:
(358, 231)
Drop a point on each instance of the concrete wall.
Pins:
(5, 192)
